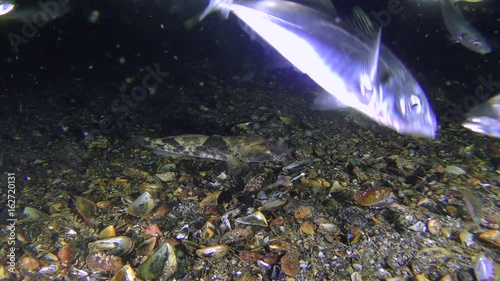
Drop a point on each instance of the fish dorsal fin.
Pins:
(362, 23)
(368, 31)
(375, 55)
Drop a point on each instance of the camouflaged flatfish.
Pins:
(246, 149)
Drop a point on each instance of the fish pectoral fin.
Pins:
(452, 40)
(326, 101)
(235, 166)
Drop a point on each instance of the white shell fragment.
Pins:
(452, 169)
(116, 246)
(183, 233)
(257, 218)
(142, 205)
(216, 251)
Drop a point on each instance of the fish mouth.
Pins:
(427, 132)
(391, 112)
(424, 128)
(422, 125)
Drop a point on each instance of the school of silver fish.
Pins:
(346, 58)
(10, 11)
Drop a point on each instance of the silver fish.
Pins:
(461, 31)
(353, 67)
(485, 118)
(50, 10)
(6, 7)
(435, 1)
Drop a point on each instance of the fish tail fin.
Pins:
(215, 5)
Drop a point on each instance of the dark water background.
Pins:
(147, 32)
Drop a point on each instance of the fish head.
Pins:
(474, 41)
(401, 104)
(9, 11)
(485, 118)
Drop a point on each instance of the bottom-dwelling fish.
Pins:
(223, 148)
(485, 118)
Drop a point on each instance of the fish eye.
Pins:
(477, 43)
(413, 105)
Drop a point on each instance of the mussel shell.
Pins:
(86, 208)
(126, 273)
(146, 247)
(116, 246)
(374, 197)
(142, 205)
(161, 263)
(257, 218)
(216, 251)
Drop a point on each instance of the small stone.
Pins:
(303, 212)
(434, 226)
(307, 228)
(290, 263)
(326, 226)
(166, 177)
(236, 235)
(452, 169)
(213, 252)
